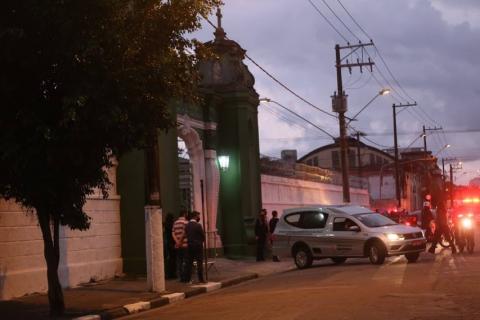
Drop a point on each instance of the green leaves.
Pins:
(83, 81)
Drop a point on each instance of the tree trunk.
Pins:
(52, 257)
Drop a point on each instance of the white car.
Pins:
(341, 232)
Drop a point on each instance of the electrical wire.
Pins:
(301, 117)
(355, 21)
(285, 118)
(377, 50)
(341, 21)
(328, 21)
(284, 86)
(288, 89)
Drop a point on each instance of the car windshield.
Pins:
(374, 220)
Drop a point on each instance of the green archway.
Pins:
(224, 124)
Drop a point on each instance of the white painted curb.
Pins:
(177, 296)
(137, 307)
(210, 286)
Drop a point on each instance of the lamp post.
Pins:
(395, 142)
(443, 148)
(382, 92)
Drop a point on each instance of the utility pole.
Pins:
(443, 172)
(424, 140)
(425, 135)
(339, 105)
(451, 186)
(359, 158)
(455, 166)
(395, 142)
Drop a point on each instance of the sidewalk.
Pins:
(109, 298)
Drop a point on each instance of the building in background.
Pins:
(367, 165)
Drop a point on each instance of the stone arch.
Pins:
(197, 158)
(203, 168)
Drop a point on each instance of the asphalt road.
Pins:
(437, 287)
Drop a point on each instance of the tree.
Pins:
(81, 82)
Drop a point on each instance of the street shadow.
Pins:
(19, 310)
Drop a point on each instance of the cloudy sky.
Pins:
(432, 48)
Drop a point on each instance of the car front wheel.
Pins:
(303, 257)
(377, 253)
(412, 257)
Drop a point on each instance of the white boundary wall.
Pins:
(279, 193)
(94, 254)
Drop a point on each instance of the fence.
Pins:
(277, 167)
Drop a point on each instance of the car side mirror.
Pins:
(354, 228)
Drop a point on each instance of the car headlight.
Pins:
(467, 223)
(395, 237)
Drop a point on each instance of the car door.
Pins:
(314, 222)
(347, 242)
(295, 232)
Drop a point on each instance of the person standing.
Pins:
(181, 244)
(427, 217)
(196, 238)
(261, 232)
(442, 228)
(169, 247)
(272, 224)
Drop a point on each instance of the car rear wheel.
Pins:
(377, 253)
(412, 256)
(303, 257)
(339, 260)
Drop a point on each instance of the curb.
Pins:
(166, 299)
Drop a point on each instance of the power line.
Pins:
(301, 117)
(415, 140)
(391, 74)
(375, 47)
(353, 19)
(328, 21)
(285, 118)
(355, 131)
(376, 143)
(341, 21)
(288, 89)
(284, 86)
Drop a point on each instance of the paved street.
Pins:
(437, 287)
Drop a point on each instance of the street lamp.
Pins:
(444, 147)
(224, 162)
(382, 92)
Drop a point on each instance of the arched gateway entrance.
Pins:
(205, 175)
(225, 123)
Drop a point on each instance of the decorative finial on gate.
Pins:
(219, 18)
(219, 32)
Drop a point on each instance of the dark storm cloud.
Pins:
(433, 51)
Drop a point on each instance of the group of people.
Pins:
(263, 231)
(188, 238)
